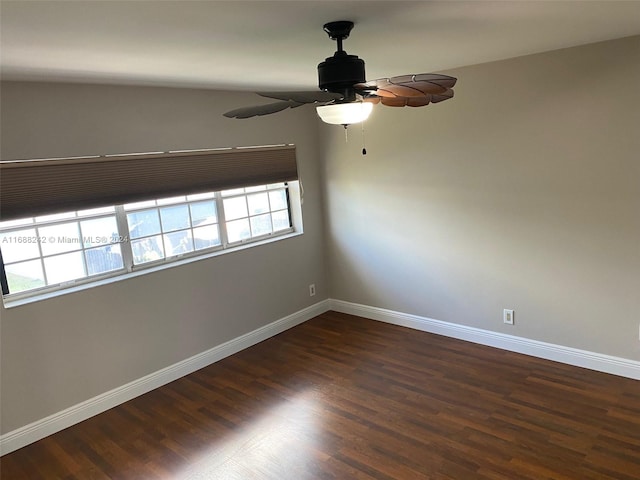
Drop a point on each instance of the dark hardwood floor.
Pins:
(341, 397)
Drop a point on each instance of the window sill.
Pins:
(17, 302)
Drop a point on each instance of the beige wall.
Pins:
(522, 192)
(59, 352)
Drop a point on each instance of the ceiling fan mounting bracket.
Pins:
(338, 30)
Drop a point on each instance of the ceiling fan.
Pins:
(345, 96)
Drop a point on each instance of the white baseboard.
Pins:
(572, 356)
(54, 423)
(59, 421)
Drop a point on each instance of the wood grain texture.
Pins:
(341, 397)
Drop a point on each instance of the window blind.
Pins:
(39, 187)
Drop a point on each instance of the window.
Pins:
(171, 227)
(54, 252)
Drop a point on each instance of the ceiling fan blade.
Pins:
(443, 80)
(313, 96)
(400, 91)
(406, 101)
(258, 110)
(442, 96)
(409, 85)
(416, 101)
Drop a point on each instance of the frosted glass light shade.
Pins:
(345, 113)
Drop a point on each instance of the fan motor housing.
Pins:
(340, 72)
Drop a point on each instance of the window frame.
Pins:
(293, 195)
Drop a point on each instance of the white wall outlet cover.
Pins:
(507, 316)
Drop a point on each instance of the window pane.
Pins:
(238, 230)
(143, 223)
(103, 259)
(261, 225)
(276, 185)
(178, 243)
(175, 218)
(60, 238)
(16, 223)
(100, 231)
(19, 245)
(235, 191)
(56, 216)
(278, 199)
(203, 213)
(96, 211)
(258, 203)
(280, 220)
(147, 250)
(235, 208)
(169, 201)
(135, 206)
(201, 196)
(63, 268)
(206, 237)
(24, 276)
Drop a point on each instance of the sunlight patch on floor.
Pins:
(278, 445)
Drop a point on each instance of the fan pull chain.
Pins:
(364, 147)
(346, 134)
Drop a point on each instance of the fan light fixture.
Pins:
(344, 113)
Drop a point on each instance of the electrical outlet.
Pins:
(312, 290)
(507, 316)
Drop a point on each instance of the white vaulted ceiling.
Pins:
(277, 44)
